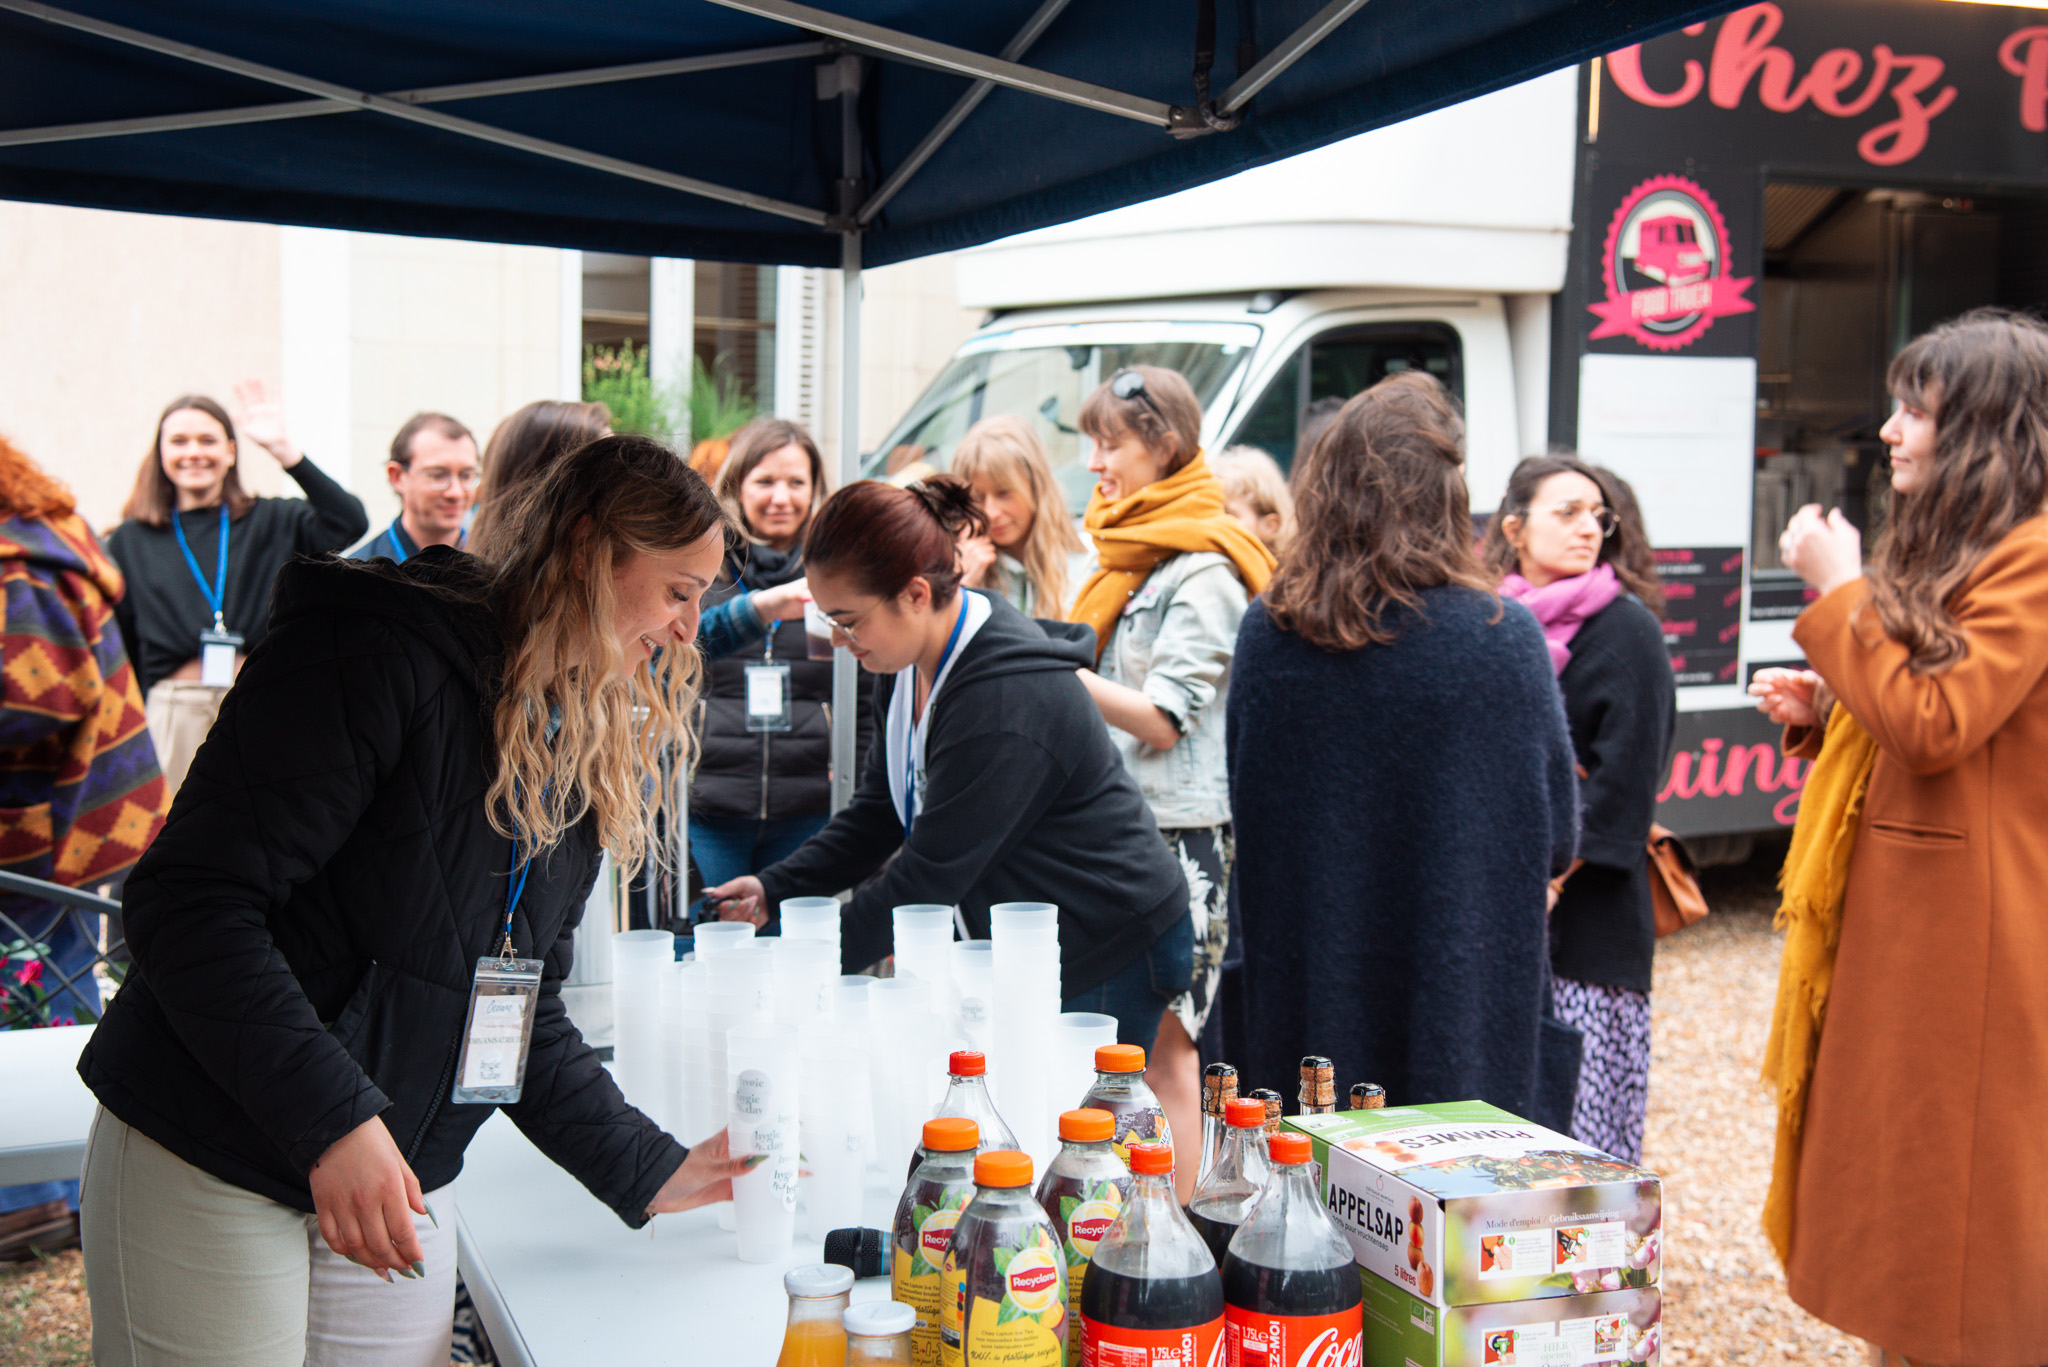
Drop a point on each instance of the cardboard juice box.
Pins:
(1460, 1203)
(1601, 1329)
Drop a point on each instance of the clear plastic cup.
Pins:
(717, 937)
(810, 918)
(763, 1112)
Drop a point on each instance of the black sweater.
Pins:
(164, 610)
(1621, 704)
(306, 927)
(1026, 799)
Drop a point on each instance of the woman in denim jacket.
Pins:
(1177, 572)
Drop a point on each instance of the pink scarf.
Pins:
(1563, 606)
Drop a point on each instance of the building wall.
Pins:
(105, 317)
(911, 321)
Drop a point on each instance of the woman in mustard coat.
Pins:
(1918, 1186)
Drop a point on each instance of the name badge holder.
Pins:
(218, 647)
(503, 999)
(768, 699)
(217, 651)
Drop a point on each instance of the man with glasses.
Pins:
(434, 471)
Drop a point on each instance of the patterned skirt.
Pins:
(1614, 1078)
(1205, 854)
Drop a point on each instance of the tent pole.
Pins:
(845, 672)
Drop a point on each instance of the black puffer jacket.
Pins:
(767, 775)
(306, 927)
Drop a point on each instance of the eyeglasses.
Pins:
(439, 478)
(1129, 384)
(850, 629)
(1568, 515)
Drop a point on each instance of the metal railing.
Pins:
(25, 991)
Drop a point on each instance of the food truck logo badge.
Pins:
(1666, 267)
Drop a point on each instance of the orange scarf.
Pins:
(1180, 513)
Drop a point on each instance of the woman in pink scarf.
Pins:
(1565, 553)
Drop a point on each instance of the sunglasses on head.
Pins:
(1129, 384)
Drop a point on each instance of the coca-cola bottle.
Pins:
(1153, 1293)
(1238, 1180)
(967, 1096)
(1290, 1289)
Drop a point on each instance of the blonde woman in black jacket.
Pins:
(419, 762)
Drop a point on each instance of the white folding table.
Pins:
(47, 1110)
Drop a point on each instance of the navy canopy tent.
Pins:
(715, 128)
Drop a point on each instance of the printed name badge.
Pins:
(768, 698)
(501, 1006)
(217, 651)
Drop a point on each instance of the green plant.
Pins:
(617, 378)
(719, 403)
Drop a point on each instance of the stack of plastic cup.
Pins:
(1026, 937)
(805, 971)
(742, 993)
(906, 1065)
(763, 1117)
(675, 1063)
(850, 1028)
(974, 991)
(922, 935)
(702, 1114)
(811, 918)
(639, 960)
(833, 1107)
(1075, 1038)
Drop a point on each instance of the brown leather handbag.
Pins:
(1674, 883)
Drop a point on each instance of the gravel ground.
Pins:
(1710, 1134)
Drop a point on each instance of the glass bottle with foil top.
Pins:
(815, 1336)
(1009, 1278)
(1084, 1191)
(1368, 1096)
(1219, 1089)
(939, 1189)
(1273, 1102)
(1120, 1088)
(1235, 1184)
(1318, 1094)
(1290, 1287)
(1153, 1294)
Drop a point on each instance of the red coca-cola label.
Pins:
(1255, 1339)
(1109, 1345)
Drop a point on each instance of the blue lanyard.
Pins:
(515, 888)
(216, 593)
(397, 546)
(910, 744)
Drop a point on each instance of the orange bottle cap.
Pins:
(1245, 1114)
(1152, 1158)
(1287, 1147)
(1119, 1058)
(951, 1134)
(1091, 1126)
(1002, 1168)
(967, 1063)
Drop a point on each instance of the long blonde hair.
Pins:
(1006, 453)
(1250, 474)
(551, 586)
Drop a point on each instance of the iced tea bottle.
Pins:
(1288, 1279)
(1009, 1277)
(1084, 1190)
(967, 1096)
(1153, 1294)
(1219, 1089)
(1238, 1180)
(878, 1334)
(1120, 1089)
(817, 1298)
(939, 1189)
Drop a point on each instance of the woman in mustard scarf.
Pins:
(1176, 572)
(1909, 1050)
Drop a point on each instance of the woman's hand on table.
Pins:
(1787, 696)
(1827, 552)
(743, 899)
(783, 603)
(365, 1196)
(705, 1176)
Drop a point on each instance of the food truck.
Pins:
(1689, 260)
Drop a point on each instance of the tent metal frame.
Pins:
(835, 35)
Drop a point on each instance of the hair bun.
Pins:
(949, 501)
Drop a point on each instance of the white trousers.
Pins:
(185, 1270)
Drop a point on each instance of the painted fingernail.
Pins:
(385, 1274)
(754, 1160)
(432, 1216)
(419, 1269)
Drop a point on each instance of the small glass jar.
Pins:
(815, 1336)
(878, 1334)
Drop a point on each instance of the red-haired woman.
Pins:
(992, 779)
(200, 555)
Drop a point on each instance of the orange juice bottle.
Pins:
(878, 1334)
(817, 1299)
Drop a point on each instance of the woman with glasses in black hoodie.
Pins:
(992, 779)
